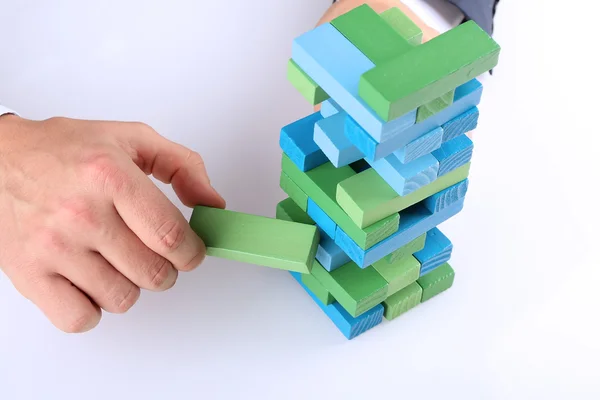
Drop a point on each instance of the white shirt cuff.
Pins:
(5, 110)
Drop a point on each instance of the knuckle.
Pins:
(79, 212)
(103, 169)
(82, 322)
(126, 299)
(170, 235)
(144, 128)
(160, 273)
(52, 241)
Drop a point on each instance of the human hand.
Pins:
(83, 227)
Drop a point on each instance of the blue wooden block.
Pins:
(336, 65)
(466, 97)
(330, 255)
(329, 108)
(414, 221)
(437, 251)
(329, 136)
(461, 124)
(420, 146)
(322, 220)
(453, 154)
(350, 326)
(296, 140)
(406, 178)
(444, 198)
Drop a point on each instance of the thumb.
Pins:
(170, 163)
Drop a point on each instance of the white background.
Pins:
(522, 320)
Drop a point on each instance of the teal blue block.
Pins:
(466, 97)
(406, 178)
(421, 146)
(322, 220)
(330, 255)
(453, 154)
(461, 124)
(444, 198)
(329, 136)
(296, 140)
(329, 108)
(437, 251)
(414, 221)
(350, 326)
(336, 65)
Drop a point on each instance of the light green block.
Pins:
(408, 249)
(367, 198)
(371, 34)
(318, 290)
(402, 301)
(288, 210)
(402, 24)
(305, 85)
(320, 185)
(436, 281)
(400, 273)
(357, 290)
(435, 106)
(428, 71)
(256, 239)
(293, 191)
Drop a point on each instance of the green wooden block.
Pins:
(318, 290)
(402, 24)
(402, 301)
(288, 210)
(435, 106)
(371, 34)
(293, 191)
(399, 274)
(408, 249)
(356, 289)
(320, 185)
(436, 281)
(305, 85)
(256, 239)
(428, 71)
(367, 198)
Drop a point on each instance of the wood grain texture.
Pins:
(444, 198)
(403, 25)
(437, 251)
(256, 239)
(408, 249)
(288, 210)
(356, 289)
(308, 88)
(296, 140)
(461, 124)
(434, 106)
(400, 273)
(428, 70)
(406, 178)
(453, 154)
(402, 301)
(293, 191)
(329, 136)
(421, 146)
(437, 281)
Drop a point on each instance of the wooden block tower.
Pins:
(384, 161)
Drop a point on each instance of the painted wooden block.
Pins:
(288, 210)
(293, 191)
(407, 250)
(320, 185)
(437, 251)
(402, 301)
(435, 106)
(330, 255)
(428, 70)
(322, 220)
(466, 97)
(453, 154)
(308, 88)
(296, 140)
(402, 24)
(371, 34)
(356, 289)
(437, 281)
(406, 178)
(421, 146)
(414, 221)
(329, 108)
(317, 289)
(461, 124)
(398, 274)
(337, 65)
(256, 239)
(367, 198)
(329, 136)
(442, 199)
(350, 326)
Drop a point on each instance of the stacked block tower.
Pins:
(383, 162)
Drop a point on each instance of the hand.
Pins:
(83, 227)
